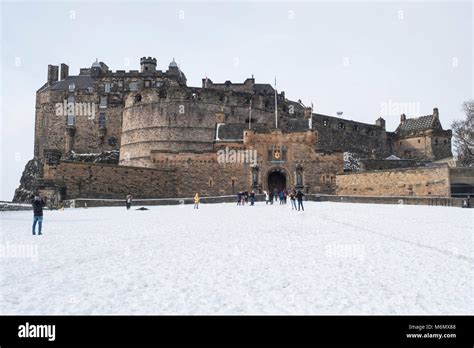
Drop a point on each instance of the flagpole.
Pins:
(276, 105)
(311, 117)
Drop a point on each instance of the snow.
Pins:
(334, 258)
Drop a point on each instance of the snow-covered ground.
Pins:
(333, 258)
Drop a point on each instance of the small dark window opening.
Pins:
(325, 123)
(221, 98)
(138, 98)
(267, 103)
(102, 119)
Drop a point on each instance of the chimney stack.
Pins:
(53, 71)
(403, 118)
(64, 71)
(435, 112)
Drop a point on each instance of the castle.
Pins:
(106, 133)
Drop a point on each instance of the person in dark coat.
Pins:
(282, 197)
(38, 204)
(299, 198)
(128, 201)
(252, 198)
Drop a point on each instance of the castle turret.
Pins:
(148, 64)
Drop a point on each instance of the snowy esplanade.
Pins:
(333, 258)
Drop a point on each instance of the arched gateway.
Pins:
(277, 178)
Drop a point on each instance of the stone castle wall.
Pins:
(423, 181)
(87, 180)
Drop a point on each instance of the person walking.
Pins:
(293, 200)
(196, 201)
(38, 204)
(252, 198)
(275, 194)
(282, 197)
(299, 197)
(267, 197)
(239, 198)
(128, 201)
(271, 197)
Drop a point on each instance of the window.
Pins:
(355, 128)
(341, 125)
(107, 87)
(147, 84)
(325, 123)
(133, 86)
(445, 142)
(102, 119)
(120, 83)
(419, 141)
(90, 89)
(436, 141)
(158, 84)
(70, 110)
(71, 120)
(103, 102)
(138, 98)
(72, 87)
(221, 98)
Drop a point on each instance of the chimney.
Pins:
(435, 112)
(380, 122)
(52, 74)
(403, 118)
(64, 71)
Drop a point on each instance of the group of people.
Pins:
(282, 197)
(244, 197)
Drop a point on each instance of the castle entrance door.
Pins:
(276, 179)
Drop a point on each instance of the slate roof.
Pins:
(263, 88)
(80, 82)
(298, 124)
(235, 131)
(417, 124)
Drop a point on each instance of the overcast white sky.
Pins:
(355, 57)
